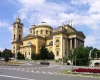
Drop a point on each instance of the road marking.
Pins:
(37, 71)
(50, 73)
(43, 72)
(16, 77)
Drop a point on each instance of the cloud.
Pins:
(93, 40)
(42, 10)
(3, 24)
(36, 11)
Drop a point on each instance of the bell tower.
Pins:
(17, 36)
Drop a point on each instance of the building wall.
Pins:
(63, 42)
(92, 62)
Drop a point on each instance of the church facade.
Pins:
(59, 40)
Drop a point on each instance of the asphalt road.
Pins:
(37, 72)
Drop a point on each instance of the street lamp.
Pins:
(72, 57)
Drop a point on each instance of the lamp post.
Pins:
(75, 59)
(72, 57)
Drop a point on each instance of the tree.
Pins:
(98, 54)
(7, 52)
(20, 56)
(44, 52)
(6, 58)
(65, 59)
(94, 52)
(50, 55)
(33, 56)
(82, 56)
(89, 48)
(0, 54)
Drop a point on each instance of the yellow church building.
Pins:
(59, 40)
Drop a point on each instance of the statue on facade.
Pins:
(96, 55)
(90, 54)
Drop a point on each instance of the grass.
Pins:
(68, 72)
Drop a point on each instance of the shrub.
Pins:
(65, 59)
(86, 70)
(6, 58)
(20, 56)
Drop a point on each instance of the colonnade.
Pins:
(72, 43)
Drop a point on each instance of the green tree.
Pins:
(98, 54)
(65, 59)
(89, 48)
(33, 56)
(93, 53)
(7, 52)
(20, 56)
(6, 58)
(82, 56)
(44, 52)
(50, 55)
(0, 54)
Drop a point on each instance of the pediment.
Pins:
(28, 37)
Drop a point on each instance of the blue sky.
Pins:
(84, 13)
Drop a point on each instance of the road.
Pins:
(37, 72)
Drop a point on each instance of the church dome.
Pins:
(43, 29)
(44, 24)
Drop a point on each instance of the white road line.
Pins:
(37, 71)
(43, 72)
(16, 77)
(50, 73)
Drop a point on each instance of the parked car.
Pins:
(2, 59)
(44, 63)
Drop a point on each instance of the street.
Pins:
(37, 72)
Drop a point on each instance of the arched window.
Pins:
(51, 43)
(57, 40)
(46, 31)
(57, 54)
(19, 36)
(14, 36)
(36, 32)
(41, 31)
(50, 32)
(18, 26)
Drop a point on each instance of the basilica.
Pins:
(59, 40)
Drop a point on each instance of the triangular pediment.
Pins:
(28, 37)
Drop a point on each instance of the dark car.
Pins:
(44, 63)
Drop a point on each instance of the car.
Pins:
(44, 63)
(2, 59)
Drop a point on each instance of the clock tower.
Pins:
(17, 36)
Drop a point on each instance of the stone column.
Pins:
(70, 43)
(37, 46)
(67, 47)
(75, 43)
(30, 52)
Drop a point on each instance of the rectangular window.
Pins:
(57, 54)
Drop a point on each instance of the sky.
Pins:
(85, 16)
